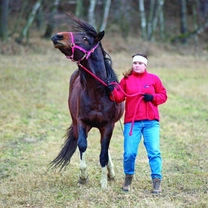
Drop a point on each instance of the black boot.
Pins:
(156, 182)
(127, 182)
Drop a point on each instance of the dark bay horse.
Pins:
(88, 101)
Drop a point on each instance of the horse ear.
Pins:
(100, 35)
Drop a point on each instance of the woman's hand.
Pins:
(148, 97)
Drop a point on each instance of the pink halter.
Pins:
(74, 46)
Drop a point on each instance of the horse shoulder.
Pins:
(73, 77)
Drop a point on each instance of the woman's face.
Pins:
(138, 67)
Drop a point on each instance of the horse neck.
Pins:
(96, 65)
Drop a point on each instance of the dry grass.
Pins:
(34, 117)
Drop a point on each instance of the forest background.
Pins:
(174, 22)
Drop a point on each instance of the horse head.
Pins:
(78, 45)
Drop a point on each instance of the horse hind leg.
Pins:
(83, 175)
(105, 157)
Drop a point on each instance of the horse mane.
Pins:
(111, 75)
(82, 26)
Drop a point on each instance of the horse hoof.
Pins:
(111, 178)
(83, 181)
(104, 186)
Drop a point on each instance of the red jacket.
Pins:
(136, 108)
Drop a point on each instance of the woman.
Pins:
(143, 92)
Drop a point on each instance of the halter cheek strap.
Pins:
(74, 46)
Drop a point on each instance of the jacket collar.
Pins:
(139, 74)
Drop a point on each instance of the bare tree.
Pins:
(17, 23)
(161, 19)
(4, 9)
(150, 20)
(193, 33)
(150, 12)
(183, 19)
(29, 22)
(105, 16)
(143, 19)
(79, 8)
(199, 27)
(123, 18)
(203, 8)
(91, 13)
(51, 22)
(195, 18)
(158, 17)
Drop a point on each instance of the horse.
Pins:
(89, 103)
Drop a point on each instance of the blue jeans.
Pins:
(150, 130)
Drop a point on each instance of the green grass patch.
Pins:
(34, 119)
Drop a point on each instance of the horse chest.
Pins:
(93, 110)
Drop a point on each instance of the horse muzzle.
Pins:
(58, 40)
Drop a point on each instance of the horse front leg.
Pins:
(83, 175)
(105, 158)
(82, 144)
(107, 173)
(110, 167)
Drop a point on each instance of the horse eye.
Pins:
(84, 38)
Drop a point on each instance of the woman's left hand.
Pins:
(148, 97)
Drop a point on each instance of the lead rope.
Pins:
(127, 95)
(137, 104)
(116, 107)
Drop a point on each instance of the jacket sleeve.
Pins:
(160, 95)
(117, 94)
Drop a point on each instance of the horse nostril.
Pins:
(57, 37)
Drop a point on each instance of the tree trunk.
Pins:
(91, 13)
(194, 33)
(124, 23)
(203, 8)
(4, 8)
(31, 17)
(39, 19)
(20, 16)
(50, 25)
(183, 19)
(161, 19)
(105, 16)
(79, 8)
(143, 19)
(150, 20)
(194, 10)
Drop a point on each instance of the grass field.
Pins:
(34, 118)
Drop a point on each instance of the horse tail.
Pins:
(68, 149)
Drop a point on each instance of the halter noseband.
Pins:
(74, 46)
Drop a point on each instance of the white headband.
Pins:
(140, 59)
